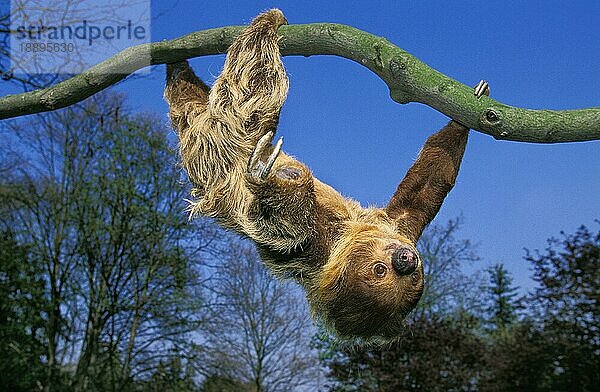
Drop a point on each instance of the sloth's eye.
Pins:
(380, 270)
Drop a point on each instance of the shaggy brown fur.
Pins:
(359, 266)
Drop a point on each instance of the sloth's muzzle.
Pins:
(404, 260)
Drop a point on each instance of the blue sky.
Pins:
(340, 120)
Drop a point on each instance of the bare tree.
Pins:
(259, 331)
(98, 195)
(444, 255)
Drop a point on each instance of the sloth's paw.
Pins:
(482, 88)
(261, 161)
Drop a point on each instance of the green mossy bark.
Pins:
(408, 78)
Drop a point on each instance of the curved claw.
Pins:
(256, 166)
(267, 168)
(482, 88)
(258, 149)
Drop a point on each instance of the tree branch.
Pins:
(409, 80)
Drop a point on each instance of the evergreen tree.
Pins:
(502, 302)
(555, 348)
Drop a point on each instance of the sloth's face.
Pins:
(378, 282)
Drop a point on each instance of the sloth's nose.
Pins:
(404, 261)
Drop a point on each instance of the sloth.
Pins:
(359, 266)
